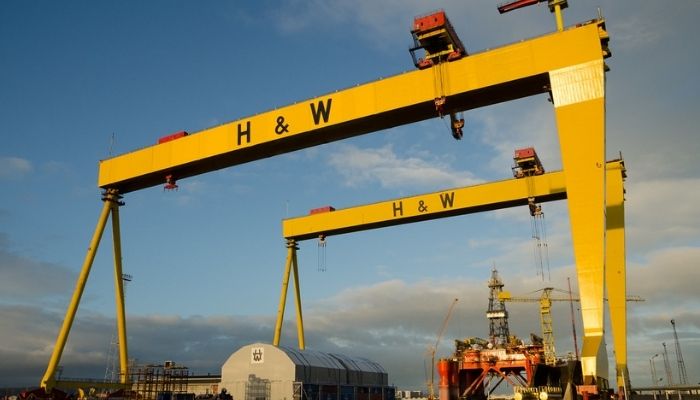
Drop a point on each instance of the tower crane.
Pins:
(545, 301)
(433, 350)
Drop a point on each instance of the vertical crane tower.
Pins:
(567, 64)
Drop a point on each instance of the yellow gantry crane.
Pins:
(545, 187)
(568, 65)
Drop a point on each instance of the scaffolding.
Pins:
(159, 382)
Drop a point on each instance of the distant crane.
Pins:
(667, 366)
(679, 357)
(545, 301)
(433, 349)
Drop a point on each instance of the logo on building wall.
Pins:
(257, 355)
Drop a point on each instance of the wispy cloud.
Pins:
(634, 32)
(663, 212)
(25, 280)
(374, 20)
(360, 166)
(14, 168)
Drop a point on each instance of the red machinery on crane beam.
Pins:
(434, 33)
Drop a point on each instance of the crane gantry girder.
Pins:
(502, 74)
(489, 196)
(445, 203)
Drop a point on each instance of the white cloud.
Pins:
(383, 165)
(14, 168)
(662, 213)
(24, 280)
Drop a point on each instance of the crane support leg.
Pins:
(578, 93)
(615, 270)
(290, 265)
(297, 299)
(48, 381)
(119, 294)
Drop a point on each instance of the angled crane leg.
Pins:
(297, 298)
(578, 93)
(48, 380)
(615, 271)
(119, 294)
(291, 260)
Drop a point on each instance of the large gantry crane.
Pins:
(567, 64)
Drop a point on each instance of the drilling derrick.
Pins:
(499, 333)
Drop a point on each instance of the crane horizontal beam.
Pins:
(447, 203)
(494, 76)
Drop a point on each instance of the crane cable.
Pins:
(538, 228)
(440, 87)
(322, 253)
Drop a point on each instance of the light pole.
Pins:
(652, 367)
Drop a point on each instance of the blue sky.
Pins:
(81, 80)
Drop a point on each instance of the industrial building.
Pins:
(262, 371)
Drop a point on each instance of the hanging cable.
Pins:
(527, 166)
(545, 245)
(322, 253)
(535, 212)
(539, 235)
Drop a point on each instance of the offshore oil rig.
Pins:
(567, 65)
(478, 366)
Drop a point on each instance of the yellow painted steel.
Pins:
(578, 93)
(297, 299)
(111, 206)
(558, 17)
(119, 295)
(615, 271)
(446, 203)
(490, 77)
(290, 265)
(48, 380)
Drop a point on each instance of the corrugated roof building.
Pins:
(261, 371)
